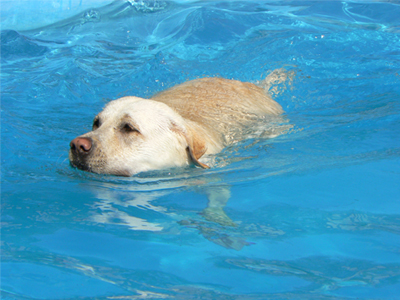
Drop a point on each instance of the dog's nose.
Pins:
(81, 145)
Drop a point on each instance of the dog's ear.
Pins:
(196, 146)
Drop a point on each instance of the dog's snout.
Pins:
(81, 145)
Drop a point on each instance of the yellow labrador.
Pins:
(177, 127)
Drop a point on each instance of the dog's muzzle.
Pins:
(80, 150)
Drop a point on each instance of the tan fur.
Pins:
(222, 107)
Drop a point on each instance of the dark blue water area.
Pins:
(311, 214)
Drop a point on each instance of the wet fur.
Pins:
(176, 127)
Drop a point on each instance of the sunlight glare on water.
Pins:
(311, 214)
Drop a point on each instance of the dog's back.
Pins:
(224, 107)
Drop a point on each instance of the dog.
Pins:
(177, 127)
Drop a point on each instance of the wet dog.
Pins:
(177, 127)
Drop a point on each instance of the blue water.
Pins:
(316, 211)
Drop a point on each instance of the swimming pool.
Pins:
(316, 211)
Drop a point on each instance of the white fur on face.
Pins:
(133, 135)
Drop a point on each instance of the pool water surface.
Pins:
(311, 214)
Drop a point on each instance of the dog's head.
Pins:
(133, 135)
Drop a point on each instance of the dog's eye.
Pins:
(96, 123)
(128, 128)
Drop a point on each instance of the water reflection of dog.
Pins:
(113, 208)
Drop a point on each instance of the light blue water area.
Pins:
(316, 211)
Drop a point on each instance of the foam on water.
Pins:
(315, 211)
